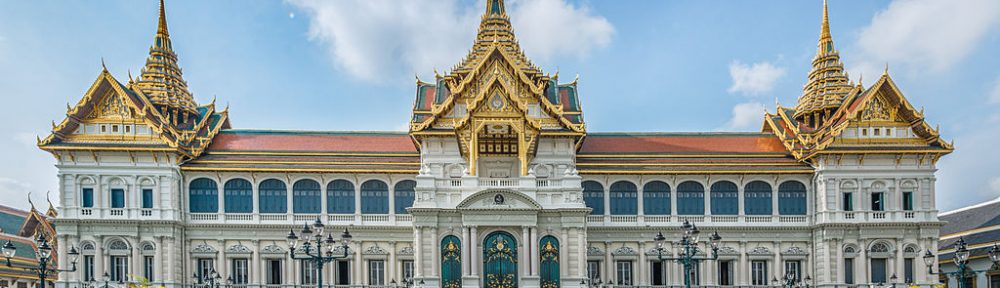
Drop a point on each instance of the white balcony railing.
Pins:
(498, 182)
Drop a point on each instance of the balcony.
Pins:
(876, 216)
(479, 183)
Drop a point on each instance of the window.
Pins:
(593, 197)
(757, 198)
(726, 273)
(657, 273)
(403, 193)
(594, 270)
(273, 196)
(376, 272)
(407, 270)
(908, 270)
(128, 129)
(725, 198)
(908, 201)
(88, 197)
(758, 272)
(849, 270)
(343, 272)
(656, 198)
(340, 197)
(995, 281)
(624, 197)
(238, 194)
(117, 198)
(203, 196)
(374, 197)
(624, 272)
(104, 128)
(792, 198)
(794, 267)
(240, 271)
(88, 268)
(114, 128)
(305, 197)
(308, 272)
(878, 270)
(147, 198)
(864, 132)
(696, 274)
(147, 268)
(205, 268)
(877, 131)
(273, 272)
(119, 268)
(878, 203)
(848, 202)
(690, 198)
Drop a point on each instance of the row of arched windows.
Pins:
(691, 198)
(306, 196)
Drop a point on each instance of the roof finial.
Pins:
(886, 71)
(102, 64)
(31, 203)
(825, 31)
(161, 28)
(495, 7)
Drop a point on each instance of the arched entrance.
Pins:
(499, 260)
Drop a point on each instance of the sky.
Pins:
(643, 65)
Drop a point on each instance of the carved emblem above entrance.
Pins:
(498, 199)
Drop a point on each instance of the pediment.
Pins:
(498, 200)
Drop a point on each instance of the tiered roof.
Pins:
(828, 84)
(161, 79)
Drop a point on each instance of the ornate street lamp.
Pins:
(44, 255)
(212, 279)
(316, 254)
(961, 258)
(689, 242)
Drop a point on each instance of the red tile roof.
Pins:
(308, 141)
(690, 143)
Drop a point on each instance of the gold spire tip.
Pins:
(161, 27)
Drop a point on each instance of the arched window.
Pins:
(792, 198)
(656, 198)
(690, 198)
(757, 198)
(204, 196)
(374, 197)
(305, 197)
(239, 196)
(340, 197)
(549, 266)
(403, 193)
(624, 197)
(725, 200)
(593, 197)
(273, 196)
(451, 261)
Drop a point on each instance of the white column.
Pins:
(779, 265)
(607, 199)
(474, 245)
(640, 203)
(900, 273)
(609, 264)
(255, 263)
(643, 265)
(359, 265)
(563, 254)
(838, 263)
(158, 259)
(136, 265)
(322, 207)
(220, 262)
(534, 252)
(581, 252)
(465, 252)
(418, 251)
(390, 267)
(436, 258)
(743, 269)
(99, 256)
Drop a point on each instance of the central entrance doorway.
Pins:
(499, 260)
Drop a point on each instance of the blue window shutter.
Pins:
(340, 197)
(623, 198)
(690, 198)
(147, 198)
(792, 198)
(239, 196)
(305, 197)
(117, 198)
(88, 197)
(204, 196)
(374, 197)
(656, 198)
(273, 196)
(404, 193)
(593, 197)
(725, 200)
(757, 197)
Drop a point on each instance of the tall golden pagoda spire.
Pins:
(161, 79)
(828, 84)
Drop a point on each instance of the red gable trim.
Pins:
(682, 143)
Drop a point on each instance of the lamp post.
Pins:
(892, 280)
(212, 279)
(44, 255)
(689, 242)
(789, 281)
(316, 254)
(106, 278)
(961, 258)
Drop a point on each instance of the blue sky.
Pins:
(643, 65)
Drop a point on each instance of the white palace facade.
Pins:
(497, 183)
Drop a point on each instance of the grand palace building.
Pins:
(497, 183)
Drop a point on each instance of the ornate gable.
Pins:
(495, 101)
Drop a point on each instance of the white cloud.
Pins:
(377, 40)
(15, 193)
(553, 27)
(924, 34)
(995, 92)
(754, 79)
(746, 117)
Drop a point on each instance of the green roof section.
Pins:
(10, 223)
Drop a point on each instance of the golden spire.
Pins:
(495, 7)
(828, 83)
(161, 78)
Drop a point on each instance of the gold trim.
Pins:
(86, 148)
(968, 232)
